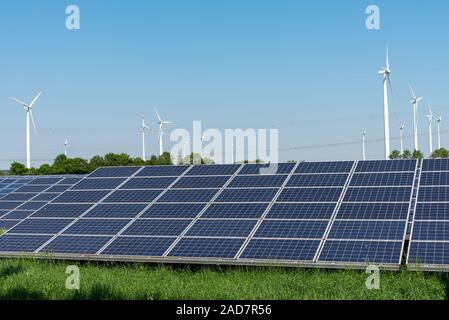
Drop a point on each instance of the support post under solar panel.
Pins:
(259, 222)
(337, 208)
(202, 211)
(143, 211)
(87, 211)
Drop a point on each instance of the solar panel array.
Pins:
(10, 184)
(325, 214)
(429, 239)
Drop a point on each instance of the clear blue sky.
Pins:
(307, 68)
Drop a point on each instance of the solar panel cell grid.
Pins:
(134, 196)
(317, 180)
(115, 211)
(324, 167)
(299, 229)
(367, 230)
(221, 228)
(162, 171)
(261, 181)
(21, 243)
(75, 244)
(165, 210)
(247, 195)
(310, 195)
(226, 169)
(207, 248)
(97, 226)
(61, 210)
(41, 226)
(373, 211)
(128, 246)
(148, 183)
(157, 227)
(202, 182)
(114, 172)
(298, 250)
(81, 196)
(386, 166)
(383, 179)
(281, 168)
(188, 195)
(98, 184)
(235, 210)
(378, 194)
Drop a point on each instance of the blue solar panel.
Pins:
(61, 210)
(300, 229)
(98, 184)
(97, 226)
(431, 230)
(212, 170)
(383, 179)
(207, 248)
(7, 224)
(162, 171)
(432, 211)
(386, 165)
(19, 196)
(130, 246)
(247, 195)
(267, 181)
(46, 181)
(114, 172)
(133, 196)
(18, 214)
(168, 210)
(9, 204)
(367, 230)
(115, 210)
(434, 179)
(46, 196)
(432, 253)
(324, 167)
(160, 227)
(81, 196)
(69, 181)
(76, 244)
(273, 168)
(58, 188)
(435, 165)
(310, 195)
(235, 210)
(36, 188)
(374, 211)
(301, 211)
(433, 194)
(221, 228)
(148, 183)
(41, 226)
(317, 180)
(299, 250)
(21, 243)
(378, 194)
(382, 252)
(201, 182)
(188, 195)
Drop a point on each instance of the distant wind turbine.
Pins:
(415, 102)
(438, 127)
(401, 134)
(29, 113)
(66, 144)
(385, 72)
(161, 131)
(363, 144)
(430, 117)
(142, 132)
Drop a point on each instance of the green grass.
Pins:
(42, 279)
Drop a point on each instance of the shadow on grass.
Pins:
(444, 278)
(11, 270)
(22, 293)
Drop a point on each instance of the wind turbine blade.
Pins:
(167, 122)
(35, 99)
(32, 121)
(388, 62)
(389, 83)
(419, 99)
(157, 114)
(430, 110)
(20, 102)
(413, 92)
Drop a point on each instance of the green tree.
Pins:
(440, 154)
(395, 154)
(406, 154)
(45, 169)
(417, 154)
(17, 169)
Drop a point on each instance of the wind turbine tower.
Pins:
(385, 72)
(142, 132)
(363, 144)
(430, 117)
(438, 127)
(401, 135)
(415, 102)
(161, 131)
(29, 114)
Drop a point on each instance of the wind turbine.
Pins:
(363, 144)
(401, 134)
(161, 131)
(29, 113)
(142, 132)
(66, 143)
(385, 72)
(415, 101)
(438, 124)
(430, 117)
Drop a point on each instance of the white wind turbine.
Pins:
(415, 101)
(142, 132)
(66, 144)
(363, 144)
(161, 131)
(385, 72)
(401, 135)
(29, 113)
(430, 118)
(438, 127)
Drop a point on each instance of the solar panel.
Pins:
(435, 165)
(221, 228)
(310, 195)
(76, 244)
(148, 183)
(201, 182)
(324, 167)
(280, 168)
(61, 210)
(301, 211)
(116, 210)
(317, 180)
(266, 249)
(213, 170)
(81, 196)
(158, 227)
(97, 226)
(373, 211)
(207, 248)
(383, 179)
(378, 194)
(386, 166)
(299, 229)
(261, 181)
(162, 171)
(133, 196)
(235, 210)
(114, 172)
(188, 195)
(367, 230)
(40, 226)
(169, 210)
(434, 179)
(21, 243)
(247, 195)
(100, 183)
(130, 246)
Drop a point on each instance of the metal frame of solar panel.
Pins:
(214, 214)
(429, 239)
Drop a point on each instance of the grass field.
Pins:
(38, 279)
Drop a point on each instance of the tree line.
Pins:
(417, 154)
